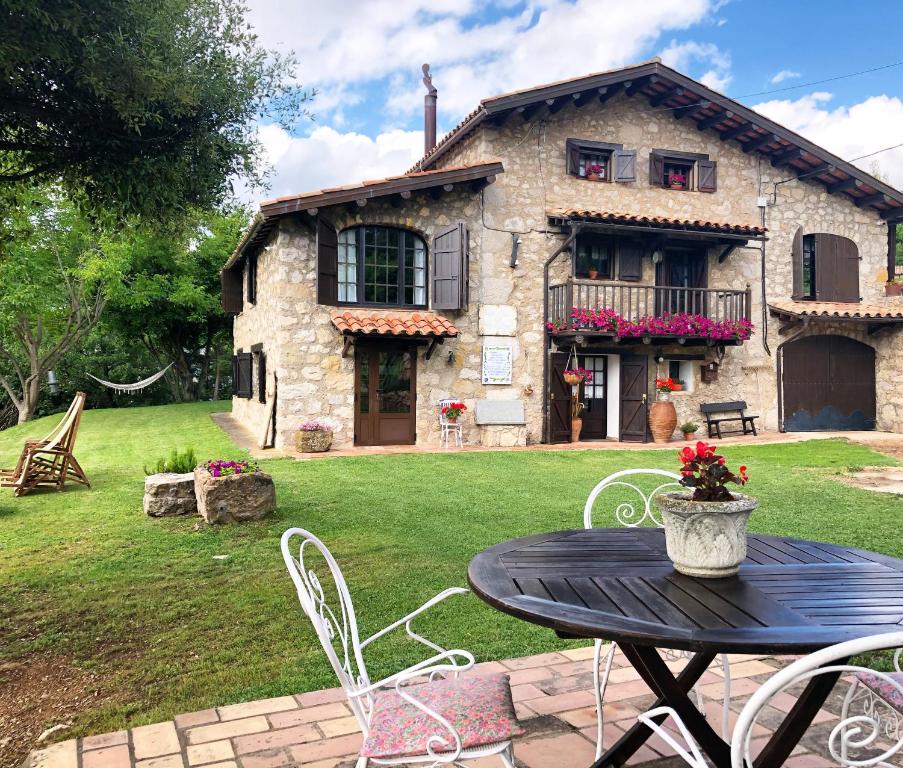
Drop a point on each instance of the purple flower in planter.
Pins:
(224, 468)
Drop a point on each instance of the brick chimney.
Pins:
(429, 111)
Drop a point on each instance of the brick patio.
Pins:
(552, 693)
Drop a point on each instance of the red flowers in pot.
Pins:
(707, 473)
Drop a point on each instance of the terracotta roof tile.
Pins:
(849, 310)
(381, 322)
(653, 221)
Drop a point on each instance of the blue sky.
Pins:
(364, 57)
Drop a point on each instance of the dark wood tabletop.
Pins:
(618, 584)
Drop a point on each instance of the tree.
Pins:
(136, 107)
(55, 269)
(170, 301)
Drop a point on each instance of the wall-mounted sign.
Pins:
(496, 364)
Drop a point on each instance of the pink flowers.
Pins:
(681, 324)
(315, 426)
(224, 468)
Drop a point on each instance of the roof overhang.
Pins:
(605, 221)
(876, 318)
(687, 99)
(395, 188)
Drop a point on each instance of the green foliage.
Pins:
(134, 598)
(179, 462)
(137, 107)
(688, 427)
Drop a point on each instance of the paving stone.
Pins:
(745, 669)
(543, 752)
(224, 764)
(308, 715)
(271, 758)
(284, 737)
(530, 675)
(339, 727)
(525, 692)
(486, 668)
(108, 757)
(64, 754)
(210, 752)
(579, 654)
(105, 740)
(228, 730)
(809, 761)
(167, 761)
(155, 740)
(563, 702)
(326, 696)
(628, 690)
(320, 750)
(191, 719)
(541, 660)
(261, 707)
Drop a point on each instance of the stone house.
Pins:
(633, 223)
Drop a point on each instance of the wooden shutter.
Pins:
(836, 268)
(572, 152)
(242, 386)
(327, 263)
(630, 261)
(230, 280)
(624, 164)
(234, 375)
(656, 170)
(796, 258)
(708, 175)
(261, 377)
(449, 268)
(252, 278)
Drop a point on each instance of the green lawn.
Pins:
(165, 628)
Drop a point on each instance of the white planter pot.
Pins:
(705, 538)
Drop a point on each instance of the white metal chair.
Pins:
(448, 428)
(444, 720)
(855, 731)
(631, 514)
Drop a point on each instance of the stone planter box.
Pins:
(169, 493)
(234, 498)
(706, 539)
(313, 440)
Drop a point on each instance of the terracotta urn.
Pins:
(662, 420)
(576, 428)
(706, 539)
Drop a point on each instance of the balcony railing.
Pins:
(635, 302)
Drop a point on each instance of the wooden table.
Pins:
(790, 597)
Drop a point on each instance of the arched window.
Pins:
(381, 265)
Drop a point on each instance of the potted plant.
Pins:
(595, 172)
(705, 528)
(313, 437)
(893, 287)
(452, 411)
(677, 180)
(689, 430)
(593, 273)
(677, 385)
(576, 376)
(662, 415)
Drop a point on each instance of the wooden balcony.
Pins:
(631, 302)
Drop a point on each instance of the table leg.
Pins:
(674, 692)
(798, 719)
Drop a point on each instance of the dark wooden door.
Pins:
(559, 400)
(828, 382)
(634, 381)
(593, 396)
(385, 402)
(678, 276)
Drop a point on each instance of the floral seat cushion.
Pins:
(883, 689)
(478, 708)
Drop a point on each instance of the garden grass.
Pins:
(143, 604)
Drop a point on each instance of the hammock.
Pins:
(137, 386)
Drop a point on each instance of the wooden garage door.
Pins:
(828, 383)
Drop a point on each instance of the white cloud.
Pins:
(848, 132)
(682, 56)
(328, 158)
(784, 74)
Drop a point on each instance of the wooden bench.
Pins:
(737, 409)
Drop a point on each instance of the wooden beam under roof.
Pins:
(661, 98)
(733, 133)
(816, 170)
(786, 157)
(688, 110)
(844, 185)
(526, 112)
(759, 141)
(718, 117)
(608, 91)
(878, 197)
(556, 105)
(635, 86)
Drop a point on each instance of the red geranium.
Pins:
(665, 385)
(453, 410)
(707, 473)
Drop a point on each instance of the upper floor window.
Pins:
(683, 171)
(600, 161)
(381, 265)
(825, 267)
(601, 257)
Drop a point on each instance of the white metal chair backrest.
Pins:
(629, 512)
(336, 627)
(856, 731)
(443, 421)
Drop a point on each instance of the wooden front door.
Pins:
(385, 377)
(827, 383)
(559, 400)
(592, 395)
(634, 380)
(678, 274)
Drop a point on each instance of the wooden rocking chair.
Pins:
(49, 461)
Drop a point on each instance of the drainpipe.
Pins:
(429, 111)
(575, 229)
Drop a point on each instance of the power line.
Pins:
(876, 152)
